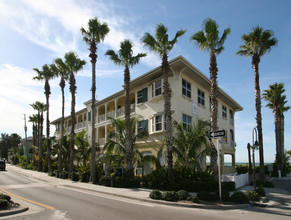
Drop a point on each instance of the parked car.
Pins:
(2, 164)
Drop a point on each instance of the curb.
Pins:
(13, 212)
(185, 205)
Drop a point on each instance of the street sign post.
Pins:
(217, 140)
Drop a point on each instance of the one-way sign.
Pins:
(220, 133)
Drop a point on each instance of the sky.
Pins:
(36, 32)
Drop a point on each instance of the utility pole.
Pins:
(25, 131)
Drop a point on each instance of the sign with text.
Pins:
(220, 133)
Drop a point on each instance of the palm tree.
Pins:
(283, 108)
(191, 144)
(61, 70)
(40, 108)
(14, 142)
(95, 34)
(34, 120)
(125, 58)
(276, 102)
(46, 74)
(208, 40)
(116, 143)
(74, 64)
(162, 45)
(256, 44)
(83, 148)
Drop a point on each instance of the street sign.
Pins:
(220, 133)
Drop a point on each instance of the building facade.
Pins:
(190, 101)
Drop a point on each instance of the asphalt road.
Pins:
(61, 202)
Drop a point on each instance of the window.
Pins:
(89, 116)
(224, 112)
(158, 123)
(187, 120)
(157, 88)
(142, 126)
(201, 96)
(186, 88)
(142, 95)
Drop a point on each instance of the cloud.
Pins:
(55, 25)
(17, 91)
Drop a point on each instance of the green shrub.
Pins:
(193, 199)
(3, 204)
(228, 186)
(224, 195)
(253, 195)
(156, 194)
(207, 196)
(183, 195)
(5, 197)
(261, 191)
(268, 184)
(239, 197)
(105, 181)
(158, 179)
(241, 169)
(170, 196)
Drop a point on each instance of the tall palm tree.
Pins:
(46, 74)
(256, 44)
(276, 102)
(95, 34)
(161, 44)
(283, 108)
(74, 64)
(40, 108)
(191, 144)
(61, 71)
(14, 142)
(208, 40)
(125, 58)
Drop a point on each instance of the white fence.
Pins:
(240, 180)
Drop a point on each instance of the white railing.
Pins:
(120, 112)
(111, 114)
(232, 144)
(132, 108)
(101, 141)
(240, 180)
(101, 118)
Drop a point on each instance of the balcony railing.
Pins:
(120, 112)
(101, 118)
(101, 141)
(111, 114)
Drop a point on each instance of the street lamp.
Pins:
(254, 147)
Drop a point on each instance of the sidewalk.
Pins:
(280, 196)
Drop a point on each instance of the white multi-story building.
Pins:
(190, 101)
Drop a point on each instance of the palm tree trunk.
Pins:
(168, 113)
(279, 158)
(73, 102)
(213, 114)
(255, 63)
(60, 168)
(48, 143)
(128, 135)
(282, 133)
(93, 56)
(40, 142)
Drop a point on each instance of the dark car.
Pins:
(2, 165)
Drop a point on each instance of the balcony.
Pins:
(101, 118)
(111, 114)
(101, 141)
